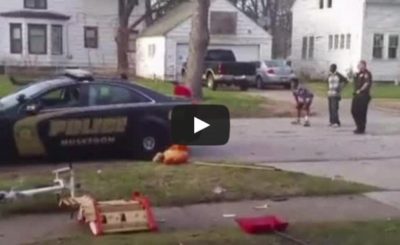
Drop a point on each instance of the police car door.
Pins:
(38, 133)
(110, 110)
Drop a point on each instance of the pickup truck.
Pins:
(221, 68)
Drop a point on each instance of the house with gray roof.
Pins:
(345, 32)
(162, 48)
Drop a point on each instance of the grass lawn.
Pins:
(366, 233)
(175, 186)
(240, 104)
(6, 86)
(379, 91)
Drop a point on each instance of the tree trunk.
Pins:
(149, 16)
(125, 8)
(199, 39)
(122, 49)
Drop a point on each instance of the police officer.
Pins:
(362, 97)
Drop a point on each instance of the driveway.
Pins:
(372, 159)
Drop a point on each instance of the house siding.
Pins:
(151, 65)
(102, 14)
(311, 21)
(383, 19)
(248, 33)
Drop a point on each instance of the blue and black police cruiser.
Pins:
(78, 115)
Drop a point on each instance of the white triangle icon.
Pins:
(200, 125)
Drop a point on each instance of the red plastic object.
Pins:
(182, 91)
(145, 202)
(258, 225)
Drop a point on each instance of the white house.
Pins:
(60, 33)
(345, 32)
(163, 47)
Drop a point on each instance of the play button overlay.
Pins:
(200, 125)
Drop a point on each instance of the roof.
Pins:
(175, 17)
(369, 1)
(35, 15)
(171, 20)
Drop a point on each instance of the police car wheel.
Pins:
(149, 143)
(152, 140)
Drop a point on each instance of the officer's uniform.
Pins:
(361, 101)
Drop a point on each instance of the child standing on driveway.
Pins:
(336, 83)
(304, 99)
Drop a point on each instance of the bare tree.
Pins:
(276, 17)
(125, 9)
(154, 10)
(199, 40)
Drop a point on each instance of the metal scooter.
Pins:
(64, 180)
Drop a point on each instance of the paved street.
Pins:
(371, 159)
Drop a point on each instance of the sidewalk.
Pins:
(296, 210)
(206, 216)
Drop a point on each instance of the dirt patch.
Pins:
(388, 105)
(281, 109)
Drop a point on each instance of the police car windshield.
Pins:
(28, 91)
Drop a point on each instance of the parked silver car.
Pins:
(274, 72)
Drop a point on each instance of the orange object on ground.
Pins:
(176, 155)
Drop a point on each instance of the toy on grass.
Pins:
(64, 180)
(175, 155)
(264, 224)
(267, 225)
(117, 216)
(103, 217)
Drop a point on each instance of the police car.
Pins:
(76, 114)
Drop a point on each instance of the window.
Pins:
(223, 23)
(348, 41)
(311, 48)
(112, 95)
(151, 50)
(37, 39)
(56, 40)
(91, 37)
(336, 41)
(16, 38)
(330, 3)
(321, 4)
(304, 48)
(342, 41)
(377, 52)
(35, 4)
(61, 98)
(330, 42)
(393, 46)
